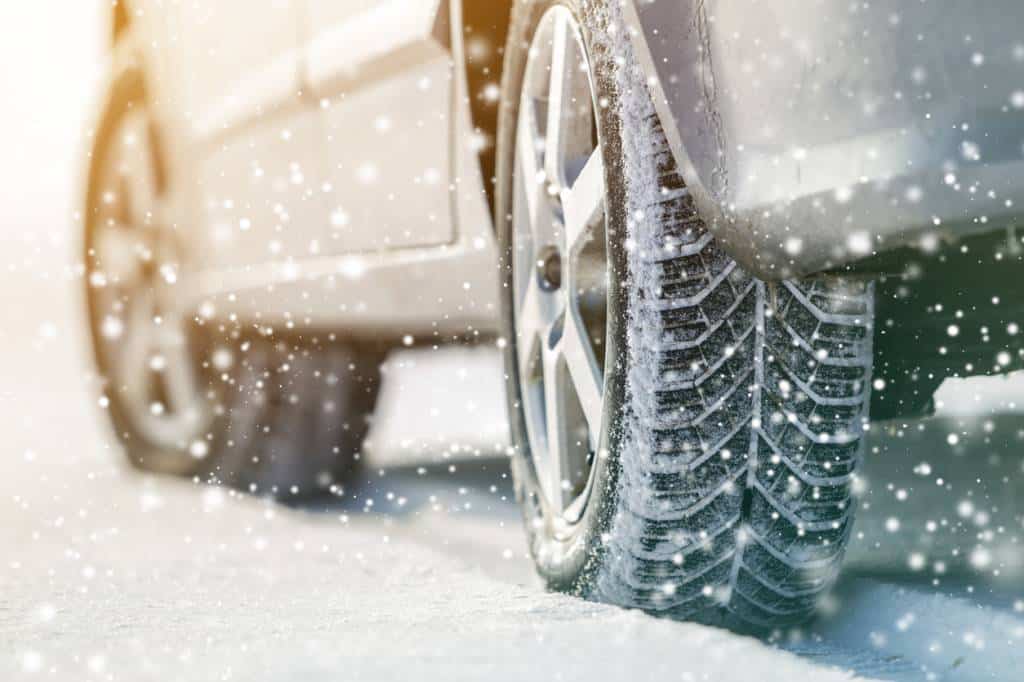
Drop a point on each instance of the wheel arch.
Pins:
(484, 25)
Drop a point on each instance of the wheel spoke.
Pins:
(555, 130)
(584, 372)
(557, 464)
(533, 397)
(178, 375)
(136, 351)
(144, 205)
(584, 202)
(538, 313)
(530, 173)
(568, 134)
(531, 322)
(120, 252)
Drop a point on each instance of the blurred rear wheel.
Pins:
(185, 395)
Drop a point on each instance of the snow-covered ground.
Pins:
(109, 574)
(106, 574)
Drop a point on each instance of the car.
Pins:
(709, 238)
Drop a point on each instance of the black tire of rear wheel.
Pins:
(296, 412)
(307, 447)
(743, 510)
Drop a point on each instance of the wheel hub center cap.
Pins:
(549, 268)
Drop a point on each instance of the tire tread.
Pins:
(746, 407)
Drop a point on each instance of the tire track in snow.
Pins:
(924, 633)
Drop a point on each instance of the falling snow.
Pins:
(419, 566)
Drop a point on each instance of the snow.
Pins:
(108, 574)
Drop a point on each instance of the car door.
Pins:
(382, 72)
(255, 134)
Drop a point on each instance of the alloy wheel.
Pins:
(142, 335)
(560, 267)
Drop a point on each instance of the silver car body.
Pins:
(322, 169)
(325, 169)
(817, 132)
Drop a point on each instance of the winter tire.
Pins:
(186, 396)
(685, 435)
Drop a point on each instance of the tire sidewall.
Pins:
(568, 563)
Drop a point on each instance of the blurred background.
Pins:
(86, 547)
(50, 70)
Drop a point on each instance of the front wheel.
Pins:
(685, 435)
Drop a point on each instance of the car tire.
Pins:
(295, 417)
(284, 417)
(721, 478)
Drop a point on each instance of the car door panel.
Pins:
(238, 59)
(269, 88)
(261, 196)
(382, 70)
(255, 137)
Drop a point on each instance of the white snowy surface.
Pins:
(439, 405)
(981, 396)
(109, 575)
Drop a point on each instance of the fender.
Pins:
(816, 133)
